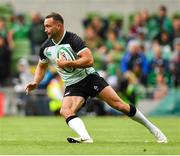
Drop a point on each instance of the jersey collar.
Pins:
(60, 39)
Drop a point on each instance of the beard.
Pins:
(49, 36)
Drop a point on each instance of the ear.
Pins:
(59, 25)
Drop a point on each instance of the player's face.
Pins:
(51, 27)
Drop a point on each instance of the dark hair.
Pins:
(163, 8)
(56, 17)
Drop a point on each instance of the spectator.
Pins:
(47, 78)
(42, 100)
(114, 55)
(161, 88)
(91, 38)
(176, 26)
(151, 27)
(113, 41)
(164, 22)
(24, 103)
(100, 26)
(128, 88)
(144, 43)
(157, 65)
(134, 60)
(5, 60)
(4, 32)
(36, 39)
(166, 45)
(55, 91)
(3, 29)
(19, 27)
(112, 78)
(175, 63)
(116, 25)
(23, 76)
(137, 24)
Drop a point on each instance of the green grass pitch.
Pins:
(112, 135)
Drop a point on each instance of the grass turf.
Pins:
(112, 135)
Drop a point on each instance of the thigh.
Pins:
(110, 96)
(71, 104)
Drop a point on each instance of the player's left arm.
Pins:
(85, 60)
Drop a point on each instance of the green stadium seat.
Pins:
(6, 10)
(21, 49)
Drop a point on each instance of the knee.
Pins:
(65, 112)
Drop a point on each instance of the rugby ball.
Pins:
(68, 55)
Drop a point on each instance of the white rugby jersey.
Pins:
(72, 45)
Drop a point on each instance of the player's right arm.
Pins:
(40, 69)
(38, 76)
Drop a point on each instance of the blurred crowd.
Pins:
(144, 61)
(148, 56)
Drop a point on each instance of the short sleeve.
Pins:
(42, 57)
(77, 43)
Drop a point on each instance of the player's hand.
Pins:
(62, 62)
(30, 87)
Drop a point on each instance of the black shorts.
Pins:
(90, 86)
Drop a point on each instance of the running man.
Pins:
(81, 79)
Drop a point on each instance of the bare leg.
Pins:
(111, 97)
(70, 106)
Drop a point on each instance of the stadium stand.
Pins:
(21, 50)
(105, 35)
